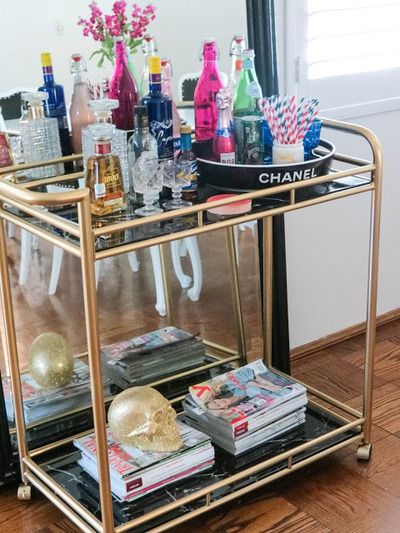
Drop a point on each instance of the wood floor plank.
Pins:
(386, 363)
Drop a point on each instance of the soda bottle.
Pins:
(224, 145)
(238, 45)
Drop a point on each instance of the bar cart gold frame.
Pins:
(31, 203)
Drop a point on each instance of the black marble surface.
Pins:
(69, 474)
(148, 231)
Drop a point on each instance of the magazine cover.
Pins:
(145, 343)
(125, 460)
(239, 394)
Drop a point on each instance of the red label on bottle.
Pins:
(103, 148)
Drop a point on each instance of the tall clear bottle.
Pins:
(166, 87)
(159, 107)
(80, 114)
(123, 88)
(141, 141)
(205, 110)
(55, 104)
(149, 48)
(102, 110)
(238, 45)
(224, 146)
(40, 137)
(104, 178)
(246, 113)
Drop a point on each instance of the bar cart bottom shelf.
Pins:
(67, 473)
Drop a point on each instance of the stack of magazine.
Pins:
(135, 473)
(246, 407)
(40, 404)
(152, 356)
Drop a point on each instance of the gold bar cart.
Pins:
(24, 208)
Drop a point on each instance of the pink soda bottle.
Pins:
(79, 112)
(205, 109)
(224, 146)
(123, 88)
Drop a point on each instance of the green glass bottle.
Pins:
(246, 113)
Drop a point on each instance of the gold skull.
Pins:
(142, 417)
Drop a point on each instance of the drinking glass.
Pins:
(176, 176)
(148, 180)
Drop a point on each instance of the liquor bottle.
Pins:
(79, 112)
(40, 137)
(123, 88)
(55, 103)
(141, 141)
(102, 110)
(224, 145)
(205, 110)
(189, 192)
(238, 45)
(149, 48)
(166, 87)
(159, 108)
(246, 113)
(104, 177)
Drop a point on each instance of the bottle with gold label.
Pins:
(104, 177)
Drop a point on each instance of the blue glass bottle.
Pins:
(159, 107)
(55, 104)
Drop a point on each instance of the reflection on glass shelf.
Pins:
(70, 475)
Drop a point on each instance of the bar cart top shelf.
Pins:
(63, 219)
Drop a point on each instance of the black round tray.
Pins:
(246, 178)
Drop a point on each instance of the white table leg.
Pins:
(194, 254)
(183, 279)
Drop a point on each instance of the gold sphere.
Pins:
(50, 360)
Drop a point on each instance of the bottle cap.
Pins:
(154, 63)
(46, 59)
(140, 110)
(186, 129)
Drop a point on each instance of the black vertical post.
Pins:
(262, 38)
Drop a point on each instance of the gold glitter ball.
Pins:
(142, 417)
(50, 360)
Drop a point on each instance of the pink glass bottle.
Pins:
(224, 145)
(123, 88)
(166, 87)
(79, 112)
(205, 110)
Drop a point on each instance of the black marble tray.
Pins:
(69, 474)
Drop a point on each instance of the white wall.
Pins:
(29, 28)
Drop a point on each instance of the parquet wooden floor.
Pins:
(337, 495)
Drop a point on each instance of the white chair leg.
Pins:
(160, 296)
(133, 261)
(58, 254)
(11, 230)
(26, 242)
(183, 279)
(194, 254)
(183, 248)
(35, 242)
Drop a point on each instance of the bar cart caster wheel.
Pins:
(364, 452)
(24, 492)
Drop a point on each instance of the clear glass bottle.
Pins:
(103, 174)
(81, 115)
(141, 141)
(40, 137)
(224, 146)
(246, 113)
(238, 45)
(166, 87)
(55, 104)
(123, 88)
(205, 110)
(102, 110)
(149, 48)
(159, 108)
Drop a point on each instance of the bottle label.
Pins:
(99, 190)
(193, 178)
(162, 131)
(228, 159)
(253, 89)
